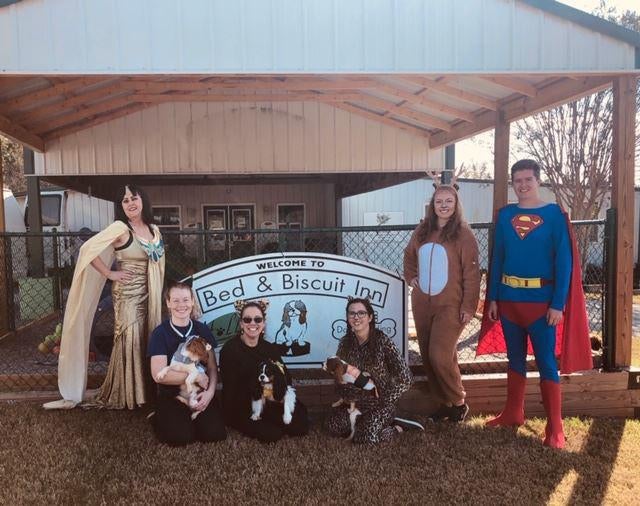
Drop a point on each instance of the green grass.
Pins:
(109, 457)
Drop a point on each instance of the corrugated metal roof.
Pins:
(587, 20)
(255, 36)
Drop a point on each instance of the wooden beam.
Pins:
(514, 84)
(424, 101)
(382, 119)
(84, 113)
(20, 134)
(514, 109)
(2, 229)
(40, 114)
(262, 97)
(501, 162)
(57, 89)
(103, 118)
(445, 89)
(622, 199)
(399, 110)
(8, 83)
(286, 84)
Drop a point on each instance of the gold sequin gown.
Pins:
(128, 381)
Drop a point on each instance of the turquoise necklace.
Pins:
(153, 249)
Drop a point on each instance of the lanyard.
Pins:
(186, 334)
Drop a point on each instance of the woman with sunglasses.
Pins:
(172, 422)
(239, 361)
(371, 351)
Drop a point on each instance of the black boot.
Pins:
(442, 413)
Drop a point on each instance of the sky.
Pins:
(590, 5)
(479, 148)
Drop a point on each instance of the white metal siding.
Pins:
(84, 211)
(230, 138)
(253, 36)
(476, 198)
(412, 197)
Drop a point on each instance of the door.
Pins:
(234, 241)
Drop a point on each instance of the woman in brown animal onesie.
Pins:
(441, 264)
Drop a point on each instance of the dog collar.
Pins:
(361, 380)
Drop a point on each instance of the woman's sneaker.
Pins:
(407, 424)
(457, 414)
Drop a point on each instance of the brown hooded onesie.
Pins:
(449, 284)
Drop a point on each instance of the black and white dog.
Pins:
(272, 384)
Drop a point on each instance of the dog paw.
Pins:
(286, 418)
(255, 418)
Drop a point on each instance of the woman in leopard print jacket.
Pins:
(371, 351)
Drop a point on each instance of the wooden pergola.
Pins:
(38, 109)
(437, 102)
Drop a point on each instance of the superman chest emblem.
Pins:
(524, 224)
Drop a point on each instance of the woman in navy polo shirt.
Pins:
(172, 422)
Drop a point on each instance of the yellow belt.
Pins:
(516, 282)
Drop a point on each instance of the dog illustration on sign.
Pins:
(293, 330)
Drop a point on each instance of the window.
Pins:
(291, 216)
(241, 221)
(167, 217)
(50, 205)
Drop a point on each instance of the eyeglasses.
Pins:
(248, 319)
(359, 314)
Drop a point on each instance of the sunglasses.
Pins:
(248, 319)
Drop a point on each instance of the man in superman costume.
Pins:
(534, 277)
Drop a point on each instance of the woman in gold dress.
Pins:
(137, 246)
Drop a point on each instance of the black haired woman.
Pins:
(239, 361)
(136, 245)
(370, 350)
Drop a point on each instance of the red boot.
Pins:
(552, 400)
(513, 412)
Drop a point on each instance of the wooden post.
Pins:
(622, 199)
(449, 164)
(4, 302)
(2, 219)
(501, 162)
(34, 244)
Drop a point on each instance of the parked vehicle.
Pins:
(72, 211)
(69, 211)
(13, 217)
(14, 222)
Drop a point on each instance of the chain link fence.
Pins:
(38, 269)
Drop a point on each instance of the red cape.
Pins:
(572, 334)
